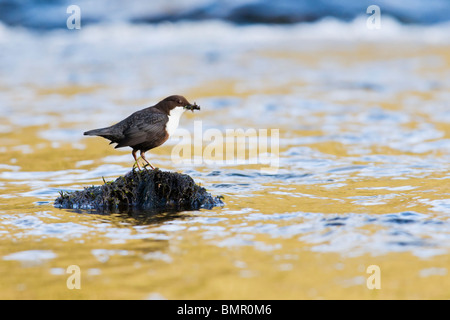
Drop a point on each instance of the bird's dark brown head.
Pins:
(172, 102)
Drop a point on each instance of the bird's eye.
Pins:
(180, 102)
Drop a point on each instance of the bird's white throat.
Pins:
(174, 119)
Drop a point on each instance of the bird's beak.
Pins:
(192, 107)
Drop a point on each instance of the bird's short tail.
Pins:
(96, 132)
(103, 132)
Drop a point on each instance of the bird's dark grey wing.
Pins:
(141, 126)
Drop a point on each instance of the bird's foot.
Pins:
(136, 164)
(148, 165)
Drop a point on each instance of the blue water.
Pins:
(52, 14)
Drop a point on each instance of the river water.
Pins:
(361, 176)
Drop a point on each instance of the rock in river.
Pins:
(141, 190)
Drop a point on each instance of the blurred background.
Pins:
(45, 14)
(364, 157)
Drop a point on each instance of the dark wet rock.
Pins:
(141, 190)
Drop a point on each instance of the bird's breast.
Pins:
(174, 119)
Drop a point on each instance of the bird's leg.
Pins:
(136, 163)
(143, 157)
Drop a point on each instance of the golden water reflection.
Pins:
(363, 180)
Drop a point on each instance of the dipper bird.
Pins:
(148, 128)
